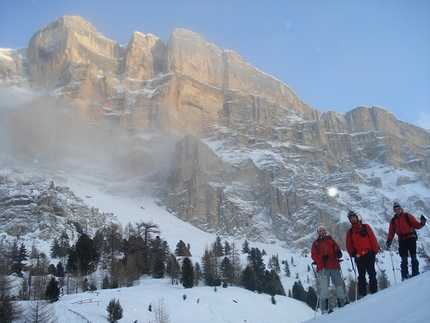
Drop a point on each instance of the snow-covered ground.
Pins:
(405, 302)
(402, 302)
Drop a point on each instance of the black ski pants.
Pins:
(406, 246)
(366, 263)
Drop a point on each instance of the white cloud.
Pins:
(14, 96)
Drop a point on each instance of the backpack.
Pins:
(363, 231)
(413, 231)
(318, 246)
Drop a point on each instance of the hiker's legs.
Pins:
(361, 267)
(403, 252)
(336, 278)
(324, 282)
(412, 246)
(370, 267)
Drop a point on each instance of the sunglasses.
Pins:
(396, 208)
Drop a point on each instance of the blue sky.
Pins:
(335, 54)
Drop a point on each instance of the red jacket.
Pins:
(322, 246)
(360, 242)
(401, 227)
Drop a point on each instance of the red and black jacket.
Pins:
(403, 227)
(322, 246)
(361, 240)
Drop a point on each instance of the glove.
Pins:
(325, 257)
(423, 220)
(338, 254)
(388, 243)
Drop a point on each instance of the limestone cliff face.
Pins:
(252, 158)
(143, 59)
(63, 51)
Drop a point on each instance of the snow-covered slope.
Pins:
(402, 302)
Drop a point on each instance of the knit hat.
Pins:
(396, 205)
(319, 226)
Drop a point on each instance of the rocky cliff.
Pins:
(250, 159)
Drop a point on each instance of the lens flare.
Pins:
(333, 192)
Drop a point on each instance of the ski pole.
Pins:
(321, 288)
(377, 265)
(318, 289)
(392, 264)
(355, 277)
(343, 283)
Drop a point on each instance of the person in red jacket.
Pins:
(325, 252)
(361, 244)
(403, 224)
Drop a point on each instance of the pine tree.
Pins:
(187, 273)
(52, 291)
(255, 260)
(217, 247)
(9, 309)
(72, 260)
(173, 268)
(208, 267)
(86, 253)
(132, 271)
(311, 297)
(227, 271)
(248, 278)
(64, 246)
(52, 270)
(383, 281)
(112, 242)
(158, 257)
(274, 263)
(227, 248)
(181, 249)
(19, 256)
(245, 247)
(198, 270)
(105, 283)
(59, 270)
(287, 269)
(136, 249)
(6, 310)
(114, 310)
(236, 263)
(298, 291)
(55, 248)
(272, 283)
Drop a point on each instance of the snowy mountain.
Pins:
(203, 144)
(220, 144)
